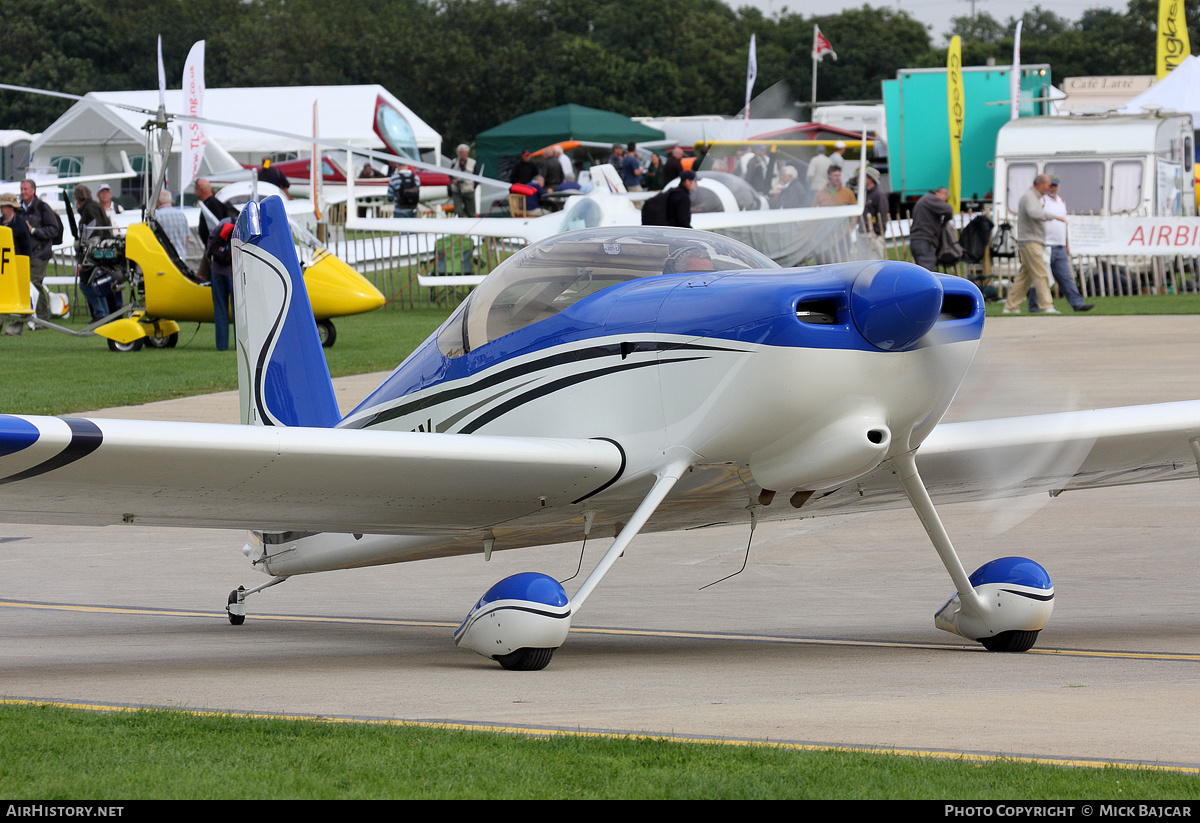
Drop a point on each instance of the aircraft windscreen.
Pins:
(395, 131)
(585, 214)
(543, 279)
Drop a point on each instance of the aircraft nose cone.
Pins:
(894, 304)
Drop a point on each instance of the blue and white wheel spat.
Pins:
(529, 610)
(1016, 597)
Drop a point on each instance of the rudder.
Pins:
(283, 378)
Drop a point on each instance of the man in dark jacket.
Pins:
(204, 194)
(679, 201)
(45, 230)
(673, 206)
(219, 251)
(931, 211)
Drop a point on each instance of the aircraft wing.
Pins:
(1040, 454)
(529, 229)
(714, 221)
(62, 470)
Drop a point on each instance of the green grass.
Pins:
(1134, 305)
(54, 753)
(46, 372)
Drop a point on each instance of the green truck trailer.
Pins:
(918, 130)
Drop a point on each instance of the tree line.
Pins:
(467, 65)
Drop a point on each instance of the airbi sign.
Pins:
(1141, 236)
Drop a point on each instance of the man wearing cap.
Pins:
(1060, 251)
(838, 158)
(875, 213)
(1031, 240)
(10, 217)
(111, 208)
(676, 204)
(10, 210)
(269, 174)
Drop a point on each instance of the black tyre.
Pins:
(235, 619)
(1014, 641)
(526, 660)
(327, 333)
(113, 345)
(169, 341)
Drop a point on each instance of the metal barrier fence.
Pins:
(1095, 276)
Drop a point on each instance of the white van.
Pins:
(1135, 164)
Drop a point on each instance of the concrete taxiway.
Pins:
(826, 638)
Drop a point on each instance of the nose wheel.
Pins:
(236, 604)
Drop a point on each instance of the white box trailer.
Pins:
(1111, 164)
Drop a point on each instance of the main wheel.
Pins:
(156, 341)
(526, 660)
(326, 332)
(235, 619)
(113, 345)
(1014, 641)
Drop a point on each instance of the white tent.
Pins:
(93, 133)
(1179, 90)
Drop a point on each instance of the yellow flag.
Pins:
(955, 103)
(1173, 43)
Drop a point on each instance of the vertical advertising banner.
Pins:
(956, 106)
(1173, 43)
(194, 140)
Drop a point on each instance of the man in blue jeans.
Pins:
(220, 261)
(1060, 252)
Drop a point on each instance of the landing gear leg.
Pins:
(1004, 604)
(236, 605)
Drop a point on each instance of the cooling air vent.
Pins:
(818, 312)
(956, 307)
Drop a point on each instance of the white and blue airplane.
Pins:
(602, 382)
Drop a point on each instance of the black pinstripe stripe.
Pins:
(86, 437)
(621, 350)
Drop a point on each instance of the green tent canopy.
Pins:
(530, 132)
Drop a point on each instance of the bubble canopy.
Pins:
(545, 278)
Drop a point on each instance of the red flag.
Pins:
(821, 46)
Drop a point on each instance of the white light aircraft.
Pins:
(602, 382)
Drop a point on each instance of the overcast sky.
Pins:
(934, 13)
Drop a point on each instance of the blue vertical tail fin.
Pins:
(282, 375)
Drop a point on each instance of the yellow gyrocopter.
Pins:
(164, 290)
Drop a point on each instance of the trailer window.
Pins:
(1082, 185)
(1020, 178)
(1126, 186)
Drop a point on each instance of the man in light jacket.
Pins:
(1031, 242)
